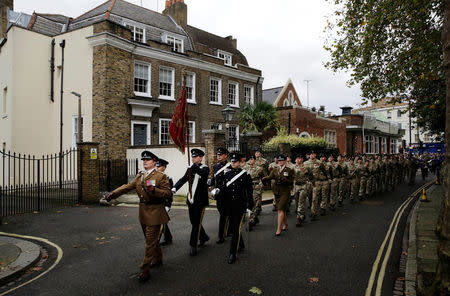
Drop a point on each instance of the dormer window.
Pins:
(226, 57)
(176, 43)
(137, 33)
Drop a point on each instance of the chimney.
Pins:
(177, 10)
(233, 41)
(5, 6)
(346, 110)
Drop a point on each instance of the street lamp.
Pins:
(228, 114)
(79, 139)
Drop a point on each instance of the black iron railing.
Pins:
(116, 172)
(29, 183)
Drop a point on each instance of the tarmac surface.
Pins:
(103, 246)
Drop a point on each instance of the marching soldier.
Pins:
(364, 170)
(354, 172)
(237, 187)
(284, 178)
(318, 177)
(161, 166)
(325, 189)
(153, 189)
(272, 166)
(412, 171)
(219, 170)
(342, 181)
(335, 170)
(256, 173)
(300, 191)
(197, 173)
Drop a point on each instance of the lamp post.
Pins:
(79, 138)
(228, 114)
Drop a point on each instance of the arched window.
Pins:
(304, 135)
(286, 103)
(291, 98)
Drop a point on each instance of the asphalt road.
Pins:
(103, 247)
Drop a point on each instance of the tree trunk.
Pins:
(442, 281)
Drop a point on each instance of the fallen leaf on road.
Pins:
(405, 253)
(353, 246)
(59, 212)
(104, 242)
(45, 257)
(255, 290)
(344, 213)
(401, 278)
(126, 228)
(36, 268)
(5, 223)
(74, 246)
(35, 212)
(314, 280)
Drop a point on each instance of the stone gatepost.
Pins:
(213, 140)
(88, 169)
(250, 140)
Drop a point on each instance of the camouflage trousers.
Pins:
(354, 187)
(321, 189)
(387, 183)
(362, 186)
(334, 187)
(342, 189)
(300, 194)
(257, 198)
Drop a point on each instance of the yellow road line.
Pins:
(60, 254)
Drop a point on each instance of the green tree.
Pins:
(393, 48)
(258, 117)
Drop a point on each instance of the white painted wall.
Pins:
(177, 162)
(6, 81)
(34, 120)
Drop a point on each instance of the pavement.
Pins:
(422, 257)
(18, 255)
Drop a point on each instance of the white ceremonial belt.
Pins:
(235, 178)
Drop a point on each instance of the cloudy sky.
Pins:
(284, 39)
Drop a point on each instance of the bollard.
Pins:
(424, 196)
(437, 181)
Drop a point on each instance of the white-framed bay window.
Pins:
(142, 75)
(249, 94)
(164, 136)
(377, 145)
(215, 90)
(190, 87)
(233, 93)
(166, 83)
(75, 130)
(140, 133)
(383, 145)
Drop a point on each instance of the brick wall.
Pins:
(308, 121)
(89, 173)
(289, 88)
(4, 5)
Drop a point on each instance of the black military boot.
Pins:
(299, 222)
(232, 259)
(193, 251)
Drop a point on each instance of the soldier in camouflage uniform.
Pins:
(342, 180)
(326, 186)
(364, 166)
(354, 178)
(412, 169)
(272, 166)
(388, 175)
(318, 171)
(290, 165)
(256, 173)
(335, 173)
(301, 178)
(262, 162)
(370, 178)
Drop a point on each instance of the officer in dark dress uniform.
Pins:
(197, 174)
(238, 189)
(217, 180)
(161, 166)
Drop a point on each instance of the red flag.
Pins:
(178, 125)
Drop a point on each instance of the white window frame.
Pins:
(330, 137)
(219, 91)
(399, 113)
(394, 145)
(377, 145)
(192, 100)
(192, 136)
(174, 41)
(172, 88)
(252, 94)
(226, 57)
(159, 131)
(216, 126)
(236, 147)
(75, 130)
(148, 93)
(133, 122)
(236, 98)
(133, 32)
(388, 114)
(369, 141)
(384, 145)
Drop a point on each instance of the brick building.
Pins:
(126, 62)
(370, 135)
(302, 121)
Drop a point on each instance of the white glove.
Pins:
(174, 190)
(104, 202)
(249, 212)
(215, 191)
(167, 209)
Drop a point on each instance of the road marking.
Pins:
(390, 234)
(60, 254)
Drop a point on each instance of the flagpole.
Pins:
(183, 73)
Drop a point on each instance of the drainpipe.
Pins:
(52, 72)
(63, 45)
